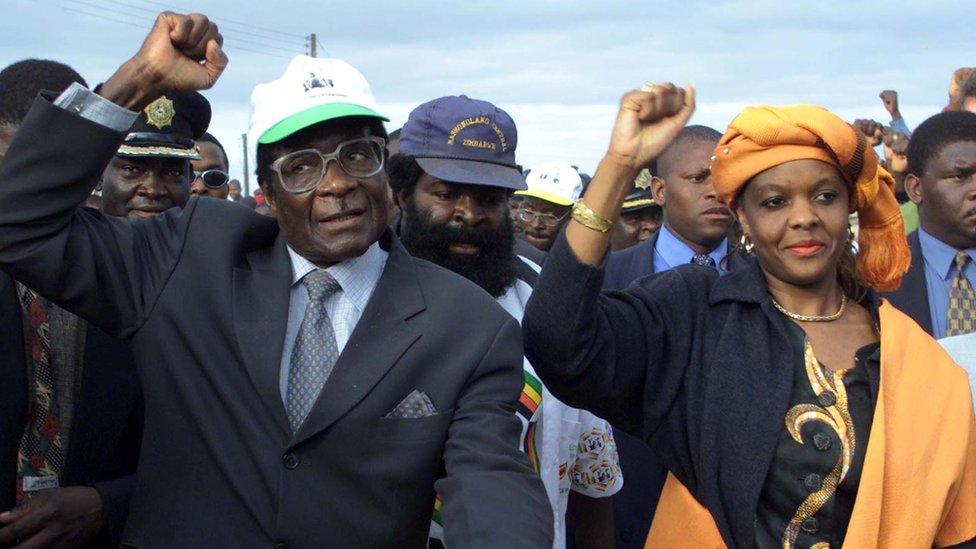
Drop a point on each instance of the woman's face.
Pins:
(796, 216)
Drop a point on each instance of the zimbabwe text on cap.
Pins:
(462, 140)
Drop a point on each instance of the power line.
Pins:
(231, 41)
(230, 37)
(219, 20)
(233, 22)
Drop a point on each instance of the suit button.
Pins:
(821, 441)
(810, 525)
(290, 461)
(812, 482)
(281, 545)
(827, 399)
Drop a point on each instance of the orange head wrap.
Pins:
(763, 137)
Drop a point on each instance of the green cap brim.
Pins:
(321, 113)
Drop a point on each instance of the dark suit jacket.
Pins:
(106, 428)
(627, 265)
(674, 359)
(203, 295)
(912, 297)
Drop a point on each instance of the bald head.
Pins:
(690, 138)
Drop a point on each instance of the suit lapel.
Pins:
(260, 301)
(912, 297)
(378, 341)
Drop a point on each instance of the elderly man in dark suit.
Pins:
(306, 380)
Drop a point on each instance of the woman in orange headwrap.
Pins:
(792, 408)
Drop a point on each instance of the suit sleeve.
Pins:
(116, 494)
(106, 270)
(492, 496)
(621, 355)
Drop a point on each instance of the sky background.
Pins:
(557, 67)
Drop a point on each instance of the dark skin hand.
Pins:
(796, 215)
(181, 53)
(61, 517)
(871, 129)
(890, 100)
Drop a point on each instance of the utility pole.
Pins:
(247, 174)
(313, 45)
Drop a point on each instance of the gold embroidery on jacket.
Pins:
(838, 418)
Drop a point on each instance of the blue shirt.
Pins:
(940, 269)
(670, 252)
(357, 277)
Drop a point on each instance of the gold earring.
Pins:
(746, 243)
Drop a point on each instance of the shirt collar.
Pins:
(675, 252)
(356, 276)
(939, 255)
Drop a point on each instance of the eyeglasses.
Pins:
(302, 171)
(529, 216)
(213, 179)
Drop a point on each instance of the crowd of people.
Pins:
(756, 338)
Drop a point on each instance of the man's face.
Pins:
(143, 187)
(946, 195)
(635, 227)
(341, 217)
(210, 159)
(542, 221)
(684, 188)
(464, 228)
(233, 189)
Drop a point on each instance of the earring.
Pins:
(746, 243)
(851, 238)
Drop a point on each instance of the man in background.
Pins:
(210, 171)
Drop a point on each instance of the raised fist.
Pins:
(648, 120)
(890, 100)
(871, 129)
(181, 53)
(896, 152)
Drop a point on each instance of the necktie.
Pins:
(41, 453)
(961, 314)
(704, 260)
(315, 351)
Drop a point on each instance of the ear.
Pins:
(743, 222)
(401, 197)
(657, 190)
(269, 197)
(913, 188)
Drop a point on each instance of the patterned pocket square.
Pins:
(416, 405)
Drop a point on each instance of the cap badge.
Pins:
(160, 112)
(314, 81)
(643, 180)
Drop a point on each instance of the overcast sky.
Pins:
(557, 67)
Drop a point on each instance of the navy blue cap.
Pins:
(463, 140)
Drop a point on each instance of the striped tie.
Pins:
(961, 314)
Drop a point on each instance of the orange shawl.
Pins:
(918, 486)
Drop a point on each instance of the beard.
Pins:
(493, 269)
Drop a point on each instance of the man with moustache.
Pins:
(937, 292)
(544, 207)
(322, 385)
(695, 229)
(453, 178)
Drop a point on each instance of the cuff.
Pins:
(89, 105)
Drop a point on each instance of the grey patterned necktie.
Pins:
(315, 351)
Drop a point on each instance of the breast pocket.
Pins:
(422, 429)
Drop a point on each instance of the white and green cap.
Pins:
(312, 90)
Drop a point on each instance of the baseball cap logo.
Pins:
(314, 81)
(478, 143)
